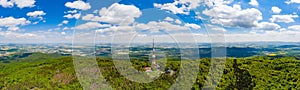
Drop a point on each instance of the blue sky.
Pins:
(54, 10)
(40, 21)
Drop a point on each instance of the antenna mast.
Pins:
(153, 47)
(153, 55)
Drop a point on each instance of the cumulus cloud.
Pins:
(214, 27)
(24, 3)
(268, 26)
(91, 17)
(169, 19)
(6, 4)
(64, 22)
(177, 21)
(9, 34)
(63, 33)
(18, 3)
(172, 7)
(35, 23)
(254, 3)
(65, 28)
(81, 5)
(234, 16)
(212, 3)
(70, 16)
(13, 23)
(283, 18)
(276, 10)
(193, 26)
(91, 25)
(152, 26)
(294, 27)
(120, 13)
(13, 28)
(36, 13)
(72, 11)
(179, 6)
(292, 1)
(124, 29)
(155, 26)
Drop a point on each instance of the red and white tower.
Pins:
(154, 64)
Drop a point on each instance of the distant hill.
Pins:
(28, 57)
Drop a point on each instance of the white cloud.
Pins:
(292, 1)
(185, 6)
(9, 34)
(155, 26)
(276, 10)
(41, 36)
(78, 5)
(214, 27)
(65, 28)
(212, 3)
(177, 21)
(294, 27)
(268, 26)
(63, 33)
(13, 23)
(6, 4)
(91, 17)
(35, 23)
(254, 3)
(91, 25)
(152, 26)
(169, 19)
(120, 29)
(36, 13)
(13, 28)
(172, 7)
(234, 16)
(120, 14)
(72, 11)
(95, 11)
(63, 23)
(193, 26)
(24, 3)
(283, 18)
(18, 3)
(70, 16)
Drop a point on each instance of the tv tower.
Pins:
(154, 64)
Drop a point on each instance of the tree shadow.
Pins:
(243, 79)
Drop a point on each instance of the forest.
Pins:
(54, 72)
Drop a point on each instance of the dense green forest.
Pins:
(47, 71)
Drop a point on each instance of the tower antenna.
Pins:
(153, 47)
(153, 55)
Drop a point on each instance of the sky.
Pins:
(67, 21)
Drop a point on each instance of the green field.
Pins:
(49, 71)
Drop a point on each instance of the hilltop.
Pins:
(44, 71)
